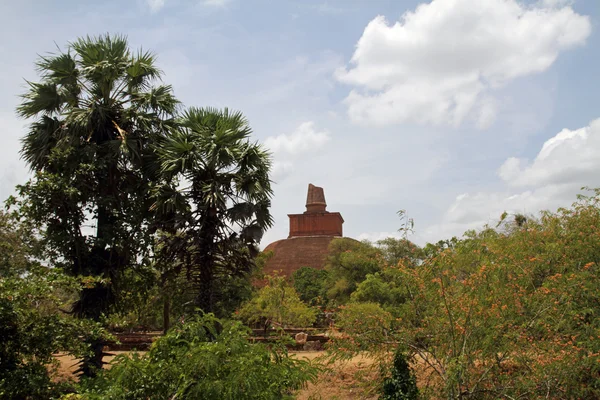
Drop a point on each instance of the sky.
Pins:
(453, 110)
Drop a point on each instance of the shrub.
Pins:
(366, 324)
(402, 385)
(32, 330)
(203, 359)
(348, 263)
(309, 282)
(277, 303)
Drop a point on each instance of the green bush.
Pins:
(277, 303)
(365, 325)
(309, 282)
(203, 359)
(402, 385)
(348, 264)
(32, 330)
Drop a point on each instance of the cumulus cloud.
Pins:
(564, 164)
(304, 138)
(155, 5)
(441, 63)
(286, 147)
(570, 156)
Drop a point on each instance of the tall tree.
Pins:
(213, 201)
(97, 111)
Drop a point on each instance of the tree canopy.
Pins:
(213, 200)
(97, 112)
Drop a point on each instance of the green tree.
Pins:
(32, 325)
(19, 246)
(348, 263)
(97, 113)
(277, 303)
(386, 288)
(214, 201)
(400, 250)
(309, 283)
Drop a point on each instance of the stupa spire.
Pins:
(315, 200)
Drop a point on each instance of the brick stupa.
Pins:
(308, 241)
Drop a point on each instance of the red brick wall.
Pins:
(289, 255)
(316, 224)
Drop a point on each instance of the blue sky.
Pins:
(454, 110)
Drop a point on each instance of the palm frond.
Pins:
(159, 99)
(60, 69)
(39, 141)
(42, 98)
(142, 71)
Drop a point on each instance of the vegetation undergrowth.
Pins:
(205, 358)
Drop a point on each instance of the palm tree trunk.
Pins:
(204, 297)
(104, 262)
(206, 262)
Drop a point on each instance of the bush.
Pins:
(309, 282)
(365, 324)
(277, 303)
(402, 385)
(348, 263)
(511, 312)
(32, 330)
(203, 359)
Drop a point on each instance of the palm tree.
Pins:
(214, 200)
(98, 111)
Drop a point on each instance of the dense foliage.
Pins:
(348, 263)
(510, 312)
(97, 112)
(203, 359)
(213, 203)
(402, 384)
(309, 283)
(277, 305)
(32, 326)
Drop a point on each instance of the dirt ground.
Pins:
(68, 365)
(340, 381)
(338, 384)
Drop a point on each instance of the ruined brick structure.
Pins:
(316, 220)
(309, 237)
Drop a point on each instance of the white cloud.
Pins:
(556, 3)
(441, 63)
(570, 156)
(376, 236)
(304, 138)
(216, 3)
(287, 147)
(281, 169)
(155, 5)
(564, 164)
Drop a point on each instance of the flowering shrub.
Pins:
(511, 312)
